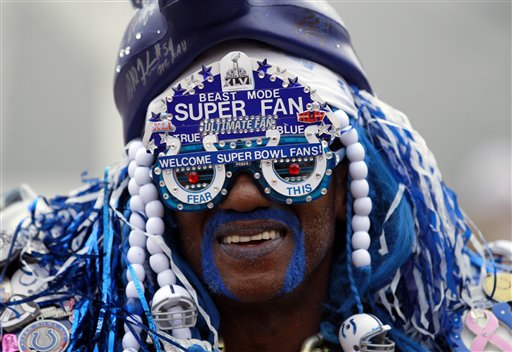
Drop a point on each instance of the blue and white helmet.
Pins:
(364, 332)
(174, 310)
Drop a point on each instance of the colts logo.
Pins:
(48, 343)
(44, 336)
(27, 280)
(346, 327)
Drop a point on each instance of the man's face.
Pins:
(251, 249)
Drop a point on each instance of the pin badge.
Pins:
(503, 290)
(484, 327)
(44, 335)
(18, 315)
(28, 283)
(53, 312)
(9, 343)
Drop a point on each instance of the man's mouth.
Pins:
(240, 251)
(252, 239)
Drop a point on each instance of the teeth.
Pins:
(267, 235)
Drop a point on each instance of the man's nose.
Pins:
(245, 196)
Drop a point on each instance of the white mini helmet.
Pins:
(364, 332)
(173, 308)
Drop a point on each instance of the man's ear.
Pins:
(340, 191)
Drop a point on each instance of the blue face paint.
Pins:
(296, 268)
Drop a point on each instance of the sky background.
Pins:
(446, 64)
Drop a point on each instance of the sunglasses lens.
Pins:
(195, 180)
(295, 170)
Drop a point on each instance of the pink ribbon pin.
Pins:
(9, 343)
(485, 334)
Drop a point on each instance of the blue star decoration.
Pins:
(293, 82)
(179, 90)
(205, 71)
(154, 117)
(263, 66)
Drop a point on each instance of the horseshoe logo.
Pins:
(24, 279)
(44, 336)
(44, 347)
(346, 327)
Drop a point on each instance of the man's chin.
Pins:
(255, 290)
(262, 292)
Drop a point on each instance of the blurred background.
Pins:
(446, 64)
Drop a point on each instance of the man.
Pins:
(269, 201)
(264, 288)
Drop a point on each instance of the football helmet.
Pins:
(173, 308)
(364, 332)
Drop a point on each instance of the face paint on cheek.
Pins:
(211, 275)
(296, 268)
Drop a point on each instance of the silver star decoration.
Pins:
(336, 133)
(163, 105)
(165, 139)
(324, 129)
(191, 81)
(151, 146)
(280, 72)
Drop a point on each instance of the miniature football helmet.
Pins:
(173, 308)
(364, 332)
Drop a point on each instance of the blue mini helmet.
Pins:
(165, 37)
